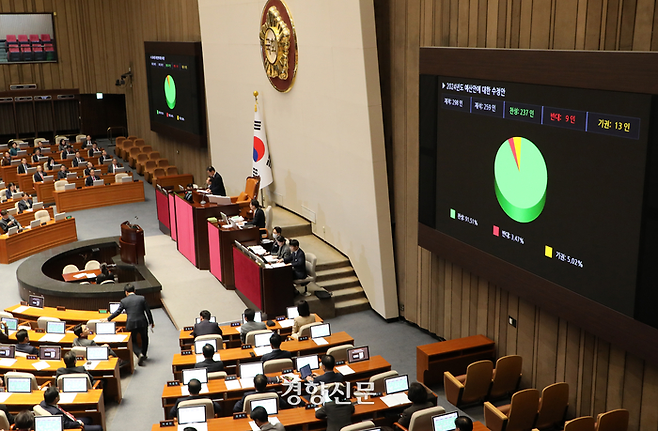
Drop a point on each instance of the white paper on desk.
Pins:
(247, 383)
(7, 362)
(116, 338)
(273, 420)
(41, 365)
(291, 378)
(51, 338)
(271, 259)
(79, 275)
(320, 341)
(67, 397)
(345, 370)
(260, 351)
(199, 426)
(395, 399)
(232, 385)
(91, 365)
(278, 265)
(4, 396)
(21, 309)
(286, 323)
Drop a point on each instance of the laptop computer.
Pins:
(311, 360)
(49, 423)
(192, 417)
(396, 384)
(56, 327)
(212, 319)
(19, 385)
(105, 328)
(261, 340)
(75, 384)
(198, 345)
(444, 421)
(12, 323)
(70, 186)
(201, 374)
(97, 353)
(98, 182)
(35, 301)
(250, 370)
(358, 354)
(292, 312)
(7, 351)
(305, 371)
(269, 404)
(50, 353)
(319, 331)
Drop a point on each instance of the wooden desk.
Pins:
(173, 181)
(32, 241)
(452, 355)
(108, 371)
(9, 203)
(99, 196)
(45, 191)
(26, 181)
(88, 404)
(72, 317)
(27, 216)
(220, 243)
(233, 357)
(228, 397)
(75, 276)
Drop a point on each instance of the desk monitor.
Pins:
(49, 423)
(311, 360)
(75, 384)
(48, 179)
(20, 153)
(57, 167)
(50, 353)
(71, 176)
(31, 171)
(45, 150)
(292, 312)
(201, 374)
(35, 301)
(263, 339)
(12, 211)
(119, 170)
(224, 218)
(250, 370)
(257, 317)
(2, 185)
(42, 159)
(15, 162)
(305, 371)
(212, 319)
(396, 384)
(97, 353)
(7, 351)
(20, 385)
(12, 230)
(128, 179)
(269, 404)
(198, 345)
(70, 186)
(114, 306)
(17, 195)
(444, 421)
(70, 156)
(37, 206)
(61, 216)
(56, 327)
(96, 153)
(220, 200)
(98, 182)
(191, 415)
(107, 161)
(318, 331)
(12, 323)
(358, 354)
(105, 328)
(35, 223)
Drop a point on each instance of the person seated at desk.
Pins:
(82, 333)
(276, 353)
(283, 249)
(49, 403)
(208, 361)
(297, 259)
(63, 171)
(50, 163)
(63, 145)
(194, 386)
(216, 184)
(250, 325)
(205, 326)
(305, 317)
(11, 189)
(23, 345)
(260, 386)
(23, 167)
(77, 159)
(338, 412)
(69, 360)
(91, 178)
(259, 416)
(24, 204)
(104, 156)
(6, 160)
(7, 221)
(38, 175)
(104, 275)
(418, 396)
(259, 214)
(4, 334)
(329, 376)
(89, 142)
(24, 421)
(463, 423)
(13, 149)
(112, 169)
(276, 232)
(94, 149)
(68, 149)
(89, 169)
(36, 155)
(10, 417)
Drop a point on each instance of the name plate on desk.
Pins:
(39, 330)
(246, 346)
(240, 415)
(61, 308)
(280, 318)
(231, 378)
(234, 324)
(169, 423)
(32, 357)
(287, 371)
(188, 328)
(186, 352)
(304, 338)
(173, 383)
(340, 362)
(310, 406)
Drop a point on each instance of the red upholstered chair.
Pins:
(34, 38)
(45, 38)
(23, 40)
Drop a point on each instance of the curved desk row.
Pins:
(99, 196)
(32, 241)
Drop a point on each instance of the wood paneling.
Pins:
(451, 301)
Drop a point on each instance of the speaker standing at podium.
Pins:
(138, 317)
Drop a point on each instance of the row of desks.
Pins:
(25, 313)
(10, 173)
(99, 196)
(26, 181)
(46, 191)
(32, 241)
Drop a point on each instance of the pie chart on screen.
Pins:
(520, 177)
(170, 91)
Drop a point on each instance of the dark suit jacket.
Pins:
(22, 205)
(4, 224)
(54, 410)
(102, 158)
(174, 410)
(22, 169)
(87, 171)
(259, 218)
(298, 261)
(329, 377)
(8, 193)
(10, 417)
(26, 348)
(276, 354)
(405, 417)
(111, 169)
(6, 162)
(137, 311)
(61, 175)
(35, 158)
(206, 327)
(211, 365)
(217, 185)
(239, 406)
(38, 177)
(90, 153)
(89, 181)
(76, 161)
(337, 415)
(74, 370)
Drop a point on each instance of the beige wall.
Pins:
(325, 136)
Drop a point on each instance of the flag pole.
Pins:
(262, 196)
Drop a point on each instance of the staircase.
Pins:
(334, 272)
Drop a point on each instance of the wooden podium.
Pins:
(132, 244)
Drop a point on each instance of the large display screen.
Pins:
(549, 179)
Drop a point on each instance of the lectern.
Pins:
(132, 244)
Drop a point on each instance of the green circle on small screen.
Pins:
(170, 91)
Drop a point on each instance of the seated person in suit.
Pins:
(104, 275)
(71, 368)
(13, 149)
(305, 317)
(205, 326)
(38, 175)
(63, 144)
(250, 325)
(91, 178)
(89, 169)
(50, 163)
(4, 333)
(94, 149)
(9, 416)
(11, 189)
(216, 184)
(276, 353)
(36, 155)
(260, 386)
(194, 387)
(276, 232)
(82, 333)
(49, 403)
(63, 171)
(23, 167)
(66, 150)
(88, 142)
(113, 167)
(338, 412)
(24, 421)
(329, 376)
(463, 423)
(77, 159)
(259, 214)
(297, 259)
(25, 203)
(7, 221)
(208, 361)
(418, 396)
(24, 343)
(283, 249)
(259, 416)
(104, 156)
(6, 160)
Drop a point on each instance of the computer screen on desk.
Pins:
(37, 206)
(31, 171)
(75, 384)
(119, 170)
(269, 404)
(48, 179)
(7, 351)
(257, 317)
(444, 422)
(99, 182)
(97, 353)
(201, 374)
(263, 339)
(191, 415)
(396, 384)
(311, 360)
(105, 328)
(17, 195)
(128, 179)
(50, 353)
(35, 301)
(212, 319)
(319, 331)
(198, 345)
(69, 186)
(358, 354)
(71, 176)
(48, 423)
(61, 216)
(114, 306)
(56, 327)
(12, 323)
(220, 200)
(250, 370)
(22, 385)
(35, 223)
(292, 312)
(12, 230)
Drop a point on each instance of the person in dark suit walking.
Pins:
(205, 326)
(138, 318)
(297, 259)
(208, 361)
(49, 403)
(216, 183)
(276, 353)
(338, 412)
